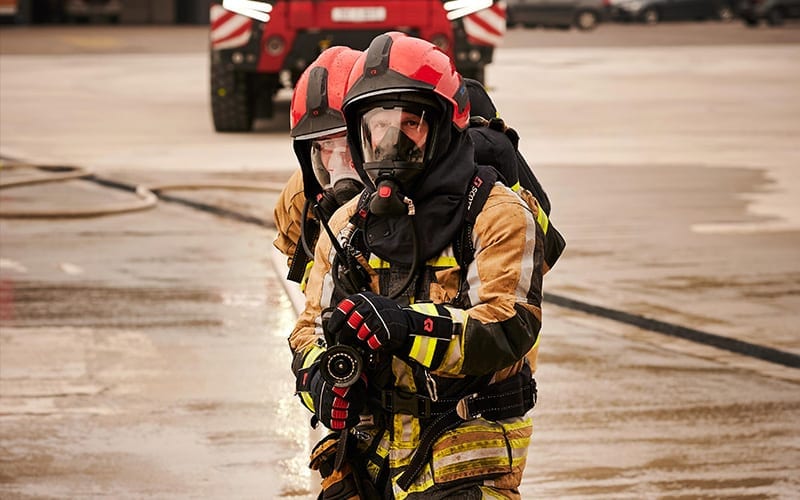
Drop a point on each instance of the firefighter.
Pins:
(424, 365)
(326, 176)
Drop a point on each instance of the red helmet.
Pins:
(420, 100)
(316, 116)
(316, 108)
(395, 61)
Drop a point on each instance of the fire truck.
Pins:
(260, 47)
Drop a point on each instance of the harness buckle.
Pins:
(407, 403)
(462, 407)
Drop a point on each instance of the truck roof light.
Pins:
(457, 9)
(250, 8)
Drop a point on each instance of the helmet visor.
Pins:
(330, 158)
(395, 134)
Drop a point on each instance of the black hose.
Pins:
(303, 221)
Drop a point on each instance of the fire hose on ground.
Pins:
(148, 199)
(147, 195)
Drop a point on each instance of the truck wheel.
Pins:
(774, 17)
(751, 22)
(586, 20)
(231, 100)
(650, 16)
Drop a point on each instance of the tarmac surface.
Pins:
(143, 354)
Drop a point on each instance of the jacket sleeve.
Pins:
(309, 324)
(318, 291)
(505, 290)
(288, 215)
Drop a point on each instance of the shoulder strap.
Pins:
(478, 191)
(300, 259)
(463, 249)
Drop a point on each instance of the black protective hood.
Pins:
(439, 199)
(480, 104)
(311, 187)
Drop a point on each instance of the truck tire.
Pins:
(774, 17)
(650, 16)
(586, 20)
(231, 100)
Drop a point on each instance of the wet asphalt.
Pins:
(144, 355)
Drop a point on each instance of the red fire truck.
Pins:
(259, 47)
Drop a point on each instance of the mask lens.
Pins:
(394, 134)
(331, 160)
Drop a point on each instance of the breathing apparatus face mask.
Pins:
(394, 141)
(333, 168)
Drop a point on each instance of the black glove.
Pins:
(382, 324)
(337, 407)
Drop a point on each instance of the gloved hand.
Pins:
(337, 407)
(382, 324)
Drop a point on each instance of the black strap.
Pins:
(300, 259)
(463, 249)
(409, 403)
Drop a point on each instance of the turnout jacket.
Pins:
(288, 214)
(495, 335)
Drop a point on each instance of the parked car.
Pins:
(655, 11)
(92, 10)
(772, 11)
(583, 14)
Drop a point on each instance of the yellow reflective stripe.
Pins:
(536, 343)
(440, 261)
(376, 263)
(423, 349)
(310, 357)
(306, 274)
(307, 401)
(428, 308)
(517, 423)
(312, 354)
(515, 187)
(482, 450)
(518, 433)
(453, 360)
(382, 451)
(543, 221)
(491, 493)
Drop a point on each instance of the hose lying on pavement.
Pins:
(147, 197)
